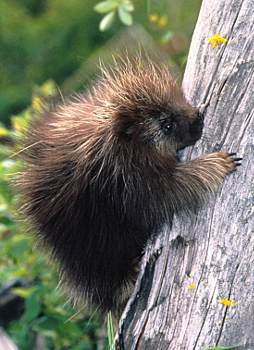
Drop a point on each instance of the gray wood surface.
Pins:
(217, 252)
(6, 342)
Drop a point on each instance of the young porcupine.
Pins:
(101, 176)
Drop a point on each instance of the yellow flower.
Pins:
(227, 302)
(153, 18)
(163, 21)
(191, 286)
(216, 39)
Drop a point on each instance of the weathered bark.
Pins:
(216, 252)
(5, 341)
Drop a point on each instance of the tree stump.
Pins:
(196, 286)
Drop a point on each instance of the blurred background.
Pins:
(48, 46)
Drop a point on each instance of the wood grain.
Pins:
(215, 250)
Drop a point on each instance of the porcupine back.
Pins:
(97, 179)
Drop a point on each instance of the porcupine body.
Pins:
(102, 175)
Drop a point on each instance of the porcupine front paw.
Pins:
(230, 163)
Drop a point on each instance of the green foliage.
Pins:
(111, 336)
(44, 313)
(111, 7)
(40, 42)
(43, 40)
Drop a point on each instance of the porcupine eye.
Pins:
(167, 126)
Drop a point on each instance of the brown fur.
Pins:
(102, 175)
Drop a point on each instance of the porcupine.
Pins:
(101, 176)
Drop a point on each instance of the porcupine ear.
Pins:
(124, 125)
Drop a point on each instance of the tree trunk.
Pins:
(213, 251)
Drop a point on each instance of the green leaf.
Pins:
(11, 271)
(19, 123)
(107, 21)
(4, 220)
(127, 5)
(224, 347)
(125, 17)
(5, 188)
(33, 307)
(56, 323)
(49, 88)
(18, 248)
(111, 336)
(83, 345)
(167, 36)
(106, 6)
(22, 292)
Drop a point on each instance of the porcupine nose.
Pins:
(198, 120)
(200, 117)
(196, 127)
